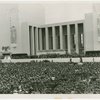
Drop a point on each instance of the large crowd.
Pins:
(49, 78)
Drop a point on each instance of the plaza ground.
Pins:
(85, 59)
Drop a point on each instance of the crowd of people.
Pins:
(49, 78)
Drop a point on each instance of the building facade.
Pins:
(60, 38)
(36, 29)
(70, 37)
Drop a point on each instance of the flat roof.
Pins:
(62, 23)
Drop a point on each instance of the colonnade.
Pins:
(58, 38)
(54, 37)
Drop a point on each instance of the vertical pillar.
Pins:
(31, 35)
(37, 39)
(61, 38)
(76, 39)
(68, 39)
(40, 37)
(54, 38)
(47, 38)
(32, 41)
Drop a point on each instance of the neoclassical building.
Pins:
(57, 38)
(77, 36)
(61, 28)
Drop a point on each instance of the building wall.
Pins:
(6, 14)
(14, 14)
(96, 34)
(92, 37)
(88, 33)
(96, 23)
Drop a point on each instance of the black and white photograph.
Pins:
(50, 47)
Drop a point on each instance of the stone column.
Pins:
(54, 38)
(32, 41)
(68, 39)
(61, 38)
(47, 38)
(37, 44)
(76, 39)
(40, 38)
